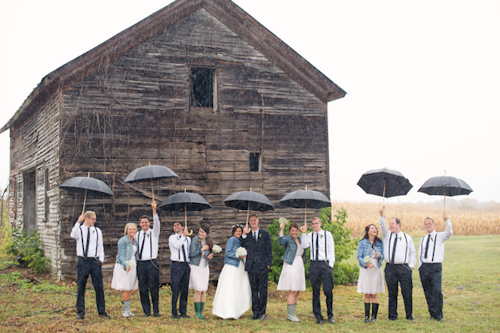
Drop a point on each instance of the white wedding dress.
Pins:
(233, 296)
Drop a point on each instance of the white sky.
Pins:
(422, 77)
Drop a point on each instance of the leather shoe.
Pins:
(156, 314)
(261, 317)
(255, 316)
(331, 320)
(175, 316)
(411, 318)
(183, 315)
(319, 321)
(104, 315)
(147, 314)
(80, 316)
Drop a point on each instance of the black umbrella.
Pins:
(385, 183)
(184, 202)
(445, 186)
(86, 185)
(304, 199)
(248, 200)
(150, 173)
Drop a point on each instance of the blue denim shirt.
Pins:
(290, 248)
(230, 257)
(195, 252)
(365, 248)
(125, 250)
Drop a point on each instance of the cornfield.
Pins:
(467, 219)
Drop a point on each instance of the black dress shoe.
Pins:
(262, 317)
(411, 318)
(319, 321)
(156, 314)
(104, 315)
(183, 315)
(331, 320)
(80, 316)
(175, 316)
(255, 316)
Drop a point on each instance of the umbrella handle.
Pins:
(185, 221)
(248, 214)
(84, 201)
(383, 194)
(444, 202)
(305, 213)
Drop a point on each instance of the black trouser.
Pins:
(401, 274)
(85, 267)
(148, 274)
(430, 276)
(259, 278)
(321, 272)
(179, 283)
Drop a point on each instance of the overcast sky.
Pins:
(422, 77)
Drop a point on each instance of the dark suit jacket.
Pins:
(259, 253)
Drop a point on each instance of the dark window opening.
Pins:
(29, 200)
(202, 89)
(255, 162)
(47, 202)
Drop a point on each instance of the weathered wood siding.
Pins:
(135, 109)
(35, 147)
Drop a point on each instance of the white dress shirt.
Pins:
(95, 249)
(405, 249)
(175, 242)
(323, 238)
(147, 242)
(435, 252)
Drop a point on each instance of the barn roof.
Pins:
(236, 19)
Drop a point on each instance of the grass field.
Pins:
(471, 288)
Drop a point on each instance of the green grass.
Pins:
(471, 288)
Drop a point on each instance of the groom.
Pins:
(259, 260)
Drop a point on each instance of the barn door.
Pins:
(29, 200)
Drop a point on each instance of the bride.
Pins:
(233, 296)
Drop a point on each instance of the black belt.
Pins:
(388, 263)
(138, 261)
(431, 263)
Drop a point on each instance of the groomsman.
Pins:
(430, 265)
(90, 252)
(320, 270)
(258, 262)
(400, 260)
(180, 271)
(148, 271)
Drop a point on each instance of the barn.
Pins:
(199, 86)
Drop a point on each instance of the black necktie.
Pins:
(183, 254)
(394, 249)
(317, 246)
(86, 249)
(142, 246)
(427, 246)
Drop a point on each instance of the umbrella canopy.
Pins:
(150, 172)
(385, 183)
(248, 200)
(305, 199)
(445, 185)
(86, 185)
(185, 201)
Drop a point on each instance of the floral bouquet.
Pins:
(241, 252)
(283, 220)
(216, 249)
(367, 260)
(130, 264)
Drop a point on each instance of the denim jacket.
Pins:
(230, 257)
(290, 248)
(365, 248)
(195, 252)
(125, 250)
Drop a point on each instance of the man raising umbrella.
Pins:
(431, 256)
(180, 271)
(90, 252)
(400, 260)
(148, 271)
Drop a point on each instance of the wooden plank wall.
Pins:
(136, 109)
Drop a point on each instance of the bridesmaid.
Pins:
(199, 255)
(371, 281)
(125, 273)
(293, 274)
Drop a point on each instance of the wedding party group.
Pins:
(243, 281)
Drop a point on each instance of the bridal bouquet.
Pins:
(367, 260)
(216, 248)
(241, 252)
(130, 264)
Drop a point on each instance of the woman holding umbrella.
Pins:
(200, 252)
(371, 281)
(233, 296)
(125, 272)
(293, 275)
